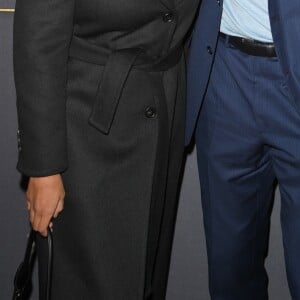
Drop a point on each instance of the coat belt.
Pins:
(117, 66)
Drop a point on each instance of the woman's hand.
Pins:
(45, 200)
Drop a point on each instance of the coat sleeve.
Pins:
(42, 35)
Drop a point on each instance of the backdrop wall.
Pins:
(188, 275)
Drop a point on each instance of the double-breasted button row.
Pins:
(150, 112)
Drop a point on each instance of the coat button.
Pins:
(219, 2)
(168, 17)
(209, 50)
(150, 112)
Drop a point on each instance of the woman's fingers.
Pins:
(59, 208)
(51, 226)
(36, 222)
(40, 220)
(31, 216)
(45, 199)
(43, 225)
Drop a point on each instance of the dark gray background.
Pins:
(188, 275)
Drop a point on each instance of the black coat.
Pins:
(101, 97)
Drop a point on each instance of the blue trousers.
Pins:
(248, 138)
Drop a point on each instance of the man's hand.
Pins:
(45, 200)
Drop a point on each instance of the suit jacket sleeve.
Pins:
(42, 34)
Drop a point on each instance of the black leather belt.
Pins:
(251, 47)
(118, 65)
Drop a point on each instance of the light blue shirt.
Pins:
(247, 18)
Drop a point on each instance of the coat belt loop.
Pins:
(116, 71)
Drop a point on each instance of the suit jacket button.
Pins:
(209, 50)
(219, 2)
(150, 112)
(168, 17)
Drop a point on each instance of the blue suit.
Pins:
(245, 112)
(285, 24)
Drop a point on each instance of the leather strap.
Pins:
(49, 266)
(23, 276)
(249, 46)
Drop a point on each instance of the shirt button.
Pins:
(168, 17)
(209, 50)
(150, 112)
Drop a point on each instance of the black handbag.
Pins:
(23, 276)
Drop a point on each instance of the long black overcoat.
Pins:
(101, 100)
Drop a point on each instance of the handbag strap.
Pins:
(33, 236)
(23, 276)
(45, 263)
(49, 266)
(30, 249)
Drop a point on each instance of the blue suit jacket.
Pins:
(285, 24)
